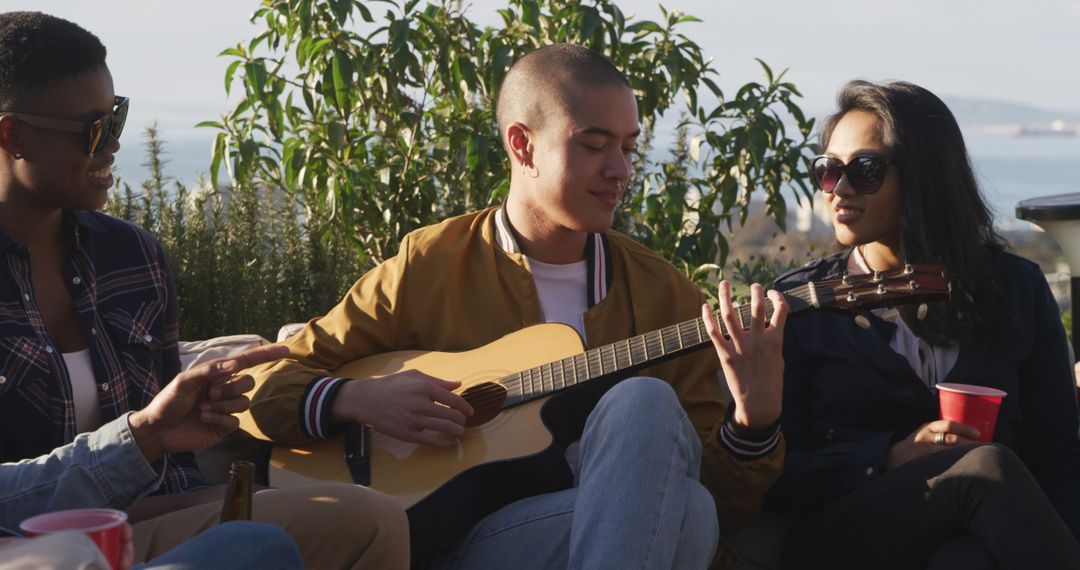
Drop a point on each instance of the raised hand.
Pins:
(195, 409)
(930, 438)
(410, 406)
(752, 359)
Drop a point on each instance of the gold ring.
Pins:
(939, 439)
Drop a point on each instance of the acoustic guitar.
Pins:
(531, 392)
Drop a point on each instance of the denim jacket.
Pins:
(100, 469)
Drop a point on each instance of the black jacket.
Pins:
(848, 396)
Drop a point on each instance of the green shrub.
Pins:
(244, 259)
(379, 125)
(353, 130)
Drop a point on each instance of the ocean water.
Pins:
(1011, 169)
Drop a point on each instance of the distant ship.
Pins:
(1056, 129)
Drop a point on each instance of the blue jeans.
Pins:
(637, 502)
(238, 544)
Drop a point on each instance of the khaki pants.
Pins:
(336, 525)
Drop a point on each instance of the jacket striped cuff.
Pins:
(744, 447)
(745, 443)
(315, 406)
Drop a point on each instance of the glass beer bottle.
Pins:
(237, 506)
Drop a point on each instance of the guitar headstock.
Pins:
(913, 284)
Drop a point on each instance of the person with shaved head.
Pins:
(662, 465)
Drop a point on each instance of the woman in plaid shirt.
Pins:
(88, 310)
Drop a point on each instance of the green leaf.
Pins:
(399, 35)
(216, 155)
(644, 26)
(309, 101)
(590, 18)
(288, 157)
(364, 12)
(230, 73)
(336, 135)
(341, 10)
(500, 63)
(530, 14)
(343, 82)
(673, 64)
(713, 87)
(318, 47)
(768, 70)
(468, 72)
(476, 153)
(256, 76)
(724, 247)
(759, 140)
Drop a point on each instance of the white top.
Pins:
(83, 390)
(931, 363)
(562, 291)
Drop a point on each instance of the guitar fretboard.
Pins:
(633, 353)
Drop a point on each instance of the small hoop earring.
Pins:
(529, 170)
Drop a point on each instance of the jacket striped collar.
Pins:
(597, 256)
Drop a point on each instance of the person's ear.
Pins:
(10, 141)
(518, 140)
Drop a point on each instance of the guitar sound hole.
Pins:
(486, 400)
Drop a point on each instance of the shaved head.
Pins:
(548, 82)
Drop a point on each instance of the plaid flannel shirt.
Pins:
(125, 298)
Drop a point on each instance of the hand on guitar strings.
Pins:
(751, 355)
(410, 406)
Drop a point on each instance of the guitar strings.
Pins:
(799, 298)
(514, 384)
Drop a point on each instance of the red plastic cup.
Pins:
(104, 526)
(976, 406)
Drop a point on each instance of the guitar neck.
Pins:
(633, 353)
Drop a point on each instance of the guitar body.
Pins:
(447, 491)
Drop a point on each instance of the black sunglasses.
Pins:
(864, 173)
(97, 131)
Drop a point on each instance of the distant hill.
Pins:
(970, 111)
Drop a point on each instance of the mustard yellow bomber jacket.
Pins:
(451, 288)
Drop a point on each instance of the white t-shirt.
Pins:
(563, 299)
(562, 292)
(83, 390)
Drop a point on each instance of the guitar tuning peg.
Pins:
(922, 311)
(862, 321)
(891, 314)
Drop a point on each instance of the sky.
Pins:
(163, 54)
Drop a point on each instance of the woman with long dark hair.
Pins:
(878, 481)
